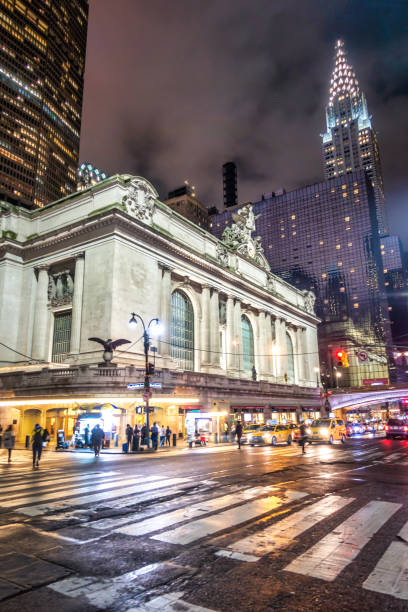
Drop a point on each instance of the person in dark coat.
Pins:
(168, 435)
(86, 435)
(136, 438)
(154, 432)
(97, 439)
(144, 434)
(37, 441)
(303, 437)
(129, 436)
(238, 433)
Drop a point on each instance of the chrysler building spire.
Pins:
(350, 143)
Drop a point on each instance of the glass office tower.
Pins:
(42, 61)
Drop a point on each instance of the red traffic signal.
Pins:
(339, 354)
(341, 357)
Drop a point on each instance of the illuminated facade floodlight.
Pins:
(88, 176)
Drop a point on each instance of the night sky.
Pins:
(173, 89)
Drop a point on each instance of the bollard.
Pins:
(215, 438)
(174, 439)
(116, 440)
(27, 442)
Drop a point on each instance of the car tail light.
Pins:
(405, 428)
(386, 427)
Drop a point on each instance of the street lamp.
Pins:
(338, 375)
(317, 372)
(156, 329)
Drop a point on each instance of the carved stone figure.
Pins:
(222, 254)
(60, 288)
(310, 300)
(238, 236)
(140, 200)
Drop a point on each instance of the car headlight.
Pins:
(308, 431)
(324, 431)
(267, 437)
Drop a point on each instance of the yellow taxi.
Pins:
(272, 434)
(327, 430)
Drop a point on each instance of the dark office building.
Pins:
(42, 61)
(396, 288)
(229, 180)
(350, 142)
(324, 237)
(183, 200)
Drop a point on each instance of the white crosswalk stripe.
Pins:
(228, 518)
(333, 553)
(281, 534)
(57, 481)
(187, 513)
(390, 575)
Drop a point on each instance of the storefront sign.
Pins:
(311, 408)
(136, 385)
(247, 408)
(290, 408)
(375, 381)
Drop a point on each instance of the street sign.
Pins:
(155, 385)
(136, 385)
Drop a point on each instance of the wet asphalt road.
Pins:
(208, 529)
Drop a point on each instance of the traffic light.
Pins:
(150, 369)
(341, 358)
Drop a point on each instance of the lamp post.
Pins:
(338, 375)
(149, 369)
(317, 372)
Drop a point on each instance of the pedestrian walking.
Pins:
(86, 436)
(129, 436)
(143, 435)
(162, 436)
(97, 438)
(168, 435)
(37, 442)
(9, 440)
(136, 438)
(303, 437)
(154, 431)
(238, 433)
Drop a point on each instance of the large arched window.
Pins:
(248, 357)
(291, 360)
(182, 330)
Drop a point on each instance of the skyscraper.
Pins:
(42, 61)
(350, 142)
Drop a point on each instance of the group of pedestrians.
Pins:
(137, 436)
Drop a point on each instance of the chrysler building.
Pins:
(350, 142)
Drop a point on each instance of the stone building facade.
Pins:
(237, 340)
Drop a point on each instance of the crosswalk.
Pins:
(241, 523)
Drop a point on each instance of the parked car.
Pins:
(248, 431)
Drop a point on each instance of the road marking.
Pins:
(283, 533)
(129, 491)
(187, 513)
(19, 501)
(218, 522)
(171, 602)
(333, 553)
(104, 592)
(390, 575)
(62, 481)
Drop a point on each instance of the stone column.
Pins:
(309, 373)
(300, 357)
(165, 309)
(238, 337)
(261, 347)
(205, 326)
(215, 354)
(229, 339)
(282, 349)
(41, 316)
(77, 304)
(268, 345)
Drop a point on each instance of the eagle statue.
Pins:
(109, 346)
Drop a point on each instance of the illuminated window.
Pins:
(293, 233)
(355, 304)
(342, 290)
(352, 270)
(338, 246)
(385, 271)
(344, 186)
(355, 191)
(324, 275)
(182, 330)
(344, 195)
(321, 242)
(293, 217)
(347, 218)
(349, 244)
(248, 354)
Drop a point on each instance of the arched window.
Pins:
(182, 330)
(291, 360)
(248, 357)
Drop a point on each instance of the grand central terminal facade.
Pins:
(237, 341)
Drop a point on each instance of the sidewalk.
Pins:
(117, 450)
